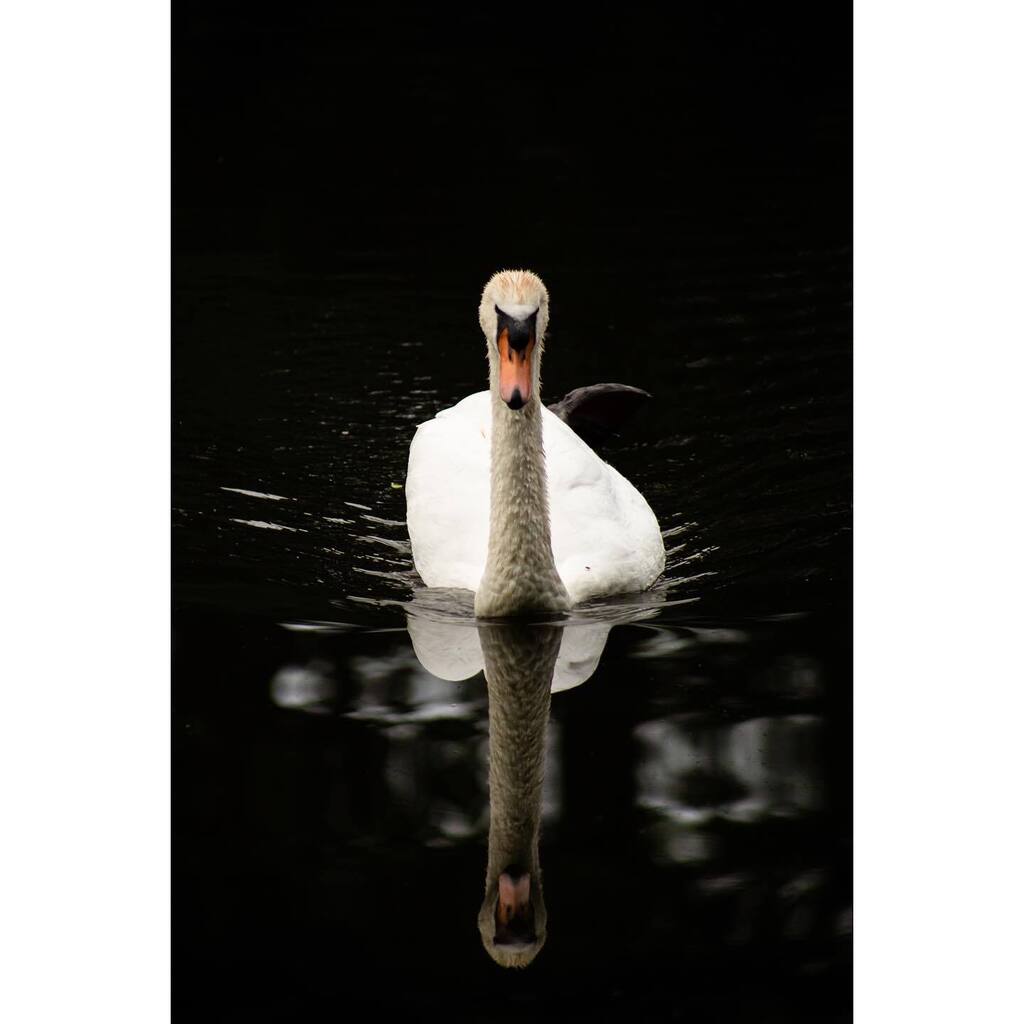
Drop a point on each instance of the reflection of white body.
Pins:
(452, 651)
(506, 500)
(604, 536)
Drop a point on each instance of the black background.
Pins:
(323, 131)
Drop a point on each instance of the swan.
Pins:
(504, 499)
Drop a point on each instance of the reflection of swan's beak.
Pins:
(513, 913)
(512, 918)
(516, 341)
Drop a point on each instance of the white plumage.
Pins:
(604, 537)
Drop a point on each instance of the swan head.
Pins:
(514, 317)
(513, 919)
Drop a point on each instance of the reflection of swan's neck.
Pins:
(520, 573)
(519, 696)
(518, 663)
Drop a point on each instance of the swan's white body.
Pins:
(604, 537)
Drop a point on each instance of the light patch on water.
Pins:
(395, 545)
(261, 525)
(675, 531)
(313, 626)
(398, 577)
(386, 714)
(384, 522)
(303, 687)
(256, 494)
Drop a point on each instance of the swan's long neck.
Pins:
(520, 574)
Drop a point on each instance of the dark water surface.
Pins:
(331, 721)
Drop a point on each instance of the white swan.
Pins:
(483, 475)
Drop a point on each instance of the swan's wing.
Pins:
(604, 536)
(597, 411)
(447, 492)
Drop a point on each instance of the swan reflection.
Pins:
(455, 652)
(523, 665)
(447, 644)
(718, 741)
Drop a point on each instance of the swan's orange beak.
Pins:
(516, 342)
(516, 378)
(513, 915)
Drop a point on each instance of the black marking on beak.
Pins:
(520, 332)
(514, 923)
